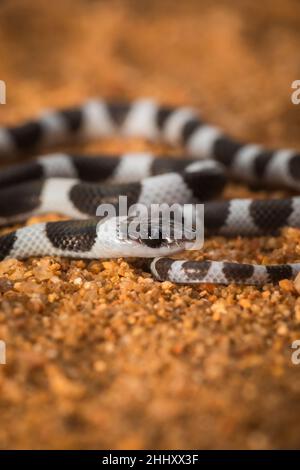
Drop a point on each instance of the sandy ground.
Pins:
(98, 354)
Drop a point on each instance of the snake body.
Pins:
(76, 185)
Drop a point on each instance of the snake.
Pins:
(76, 185)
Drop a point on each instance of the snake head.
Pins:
(142, 237)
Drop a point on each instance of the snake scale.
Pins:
(76, 185)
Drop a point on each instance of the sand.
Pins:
(99, 355)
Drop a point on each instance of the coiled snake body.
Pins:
(76, 185)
